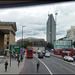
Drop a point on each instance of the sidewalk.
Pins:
(14, 69)
(58, 56)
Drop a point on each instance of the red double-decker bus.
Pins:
(29, 52)
(57, 51)
(67, 52)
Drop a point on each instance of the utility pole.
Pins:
(22, 34)
(56, 17)
(55, 22)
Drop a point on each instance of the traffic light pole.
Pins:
(10, 60)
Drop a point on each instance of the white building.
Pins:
(71, 34)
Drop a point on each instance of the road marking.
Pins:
(65, 61)
(25, 65)
(45, 65)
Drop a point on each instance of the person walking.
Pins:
(18, 62)
(15, 56)
(21, 58)
(6, 64)
(38, 64)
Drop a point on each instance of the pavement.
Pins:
(58, 56)
(14, 69)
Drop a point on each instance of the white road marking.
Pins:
(45, 65)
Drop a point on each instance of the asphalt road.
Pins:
(58, 66)
(48, 65)
(30, 67)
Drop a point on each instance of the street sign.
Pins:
(14, 49)
(21, 50)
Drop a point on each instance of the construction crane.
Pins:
(56, 17)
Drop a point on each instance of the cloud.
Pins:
(35, 19)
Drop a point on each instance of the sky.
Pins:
(34, 18)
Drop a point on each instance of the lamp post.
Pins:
(22, 33)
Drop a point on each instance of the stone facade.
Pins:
(7, 34)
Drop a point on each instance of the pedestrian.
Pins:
(21, 58)
(38, 64)
(15, 56)
(4, 53)
(18, 62)
(6, 64)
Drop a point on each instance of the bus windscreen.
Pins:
(67, 49)
(30, 52)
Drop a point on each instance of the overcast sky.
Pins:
(35, 18)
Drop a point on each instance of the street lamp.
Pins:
(22, 33)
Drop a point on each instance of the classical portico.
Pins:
(7, 34)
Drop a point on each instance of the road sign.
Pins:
(21, 50)
(11, 47)
(14, 49)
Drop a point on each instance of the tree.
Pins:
(26, 43)
(61, 39)
(49, 46)
(73, 43)
(39, 44)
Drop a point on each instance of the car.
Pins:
(43, 53)
(34, 52)
(73, 57)
(47, 51)
(68, 58)
(47, 54)
(40, 55)
(39, 51)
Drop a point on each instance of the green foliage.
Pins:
(61, 39)
(39, 44)
(26, 43)
(73, 43)
(50, 46)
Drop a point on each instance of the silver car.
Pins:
(47, 54)
(68, 58)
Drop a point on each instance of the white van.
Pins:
(39, 51)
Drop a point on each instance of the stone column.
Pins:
(11, 38)
(1, 42)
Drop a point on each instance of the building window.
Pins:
(7, 43)
(7, 47)
(74, 33)
(68, 34)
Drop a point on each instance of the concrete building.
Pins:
(35, 41)
(62, 44)
(71, 34)
(51, 29)
(7, 34)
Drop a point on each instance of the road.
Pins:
(30, 67)
(50, 65)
